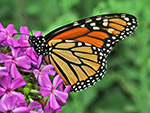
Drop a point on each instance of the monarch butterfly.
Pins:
(79, 50)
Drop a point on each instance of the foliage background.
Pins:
(126, 85)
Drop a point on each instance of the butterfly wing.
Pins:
(78, 50)
(102, 31)
(78, 63)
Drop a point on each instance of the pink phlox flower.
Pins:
(48, 109)
(11, 62)
(29, 50)
(44, 72)
(53, 93)
(9, 105)
(7, 33)
(8, 86)
(23, 38)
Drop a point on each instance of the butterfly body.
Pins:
(79, 50)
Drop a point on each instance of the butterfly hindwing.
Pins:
(79, 64)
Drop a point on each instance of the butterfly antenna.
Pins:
(19, 34)
(26, 22)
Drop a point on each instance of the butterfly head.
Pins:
(39, 43)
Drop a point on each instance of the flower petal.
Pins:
(10, 27)
(38, 33)
(20, 95)
(57, 80)
(60, 88)
(11, 101)
(36, 73)
(2, 91)
(17, 82)
(14, 72)
(15, 51)
(3, 107)
(21, 110)
(34, 105)
(13, 42)
(24, 30)
(39, 61)
(5, 81)
(8, 64)
(3, 35)
(46, 81)
(3, 71)
(40, 81)
(48, 67)
(22, 103)
(10, 30)
(48, 70)
(45, 91)
(4, 97)
(61, 95)
(67, 89)
(53, 102)
(23, 62)
(3, 42)
(52, 72)
(4, 58)
(23, 42)
(41, 111)
(48, 109)
(31, 52)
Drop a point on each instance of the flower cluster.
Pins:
(23, 80)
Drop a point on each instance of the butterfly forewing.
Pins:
(102, 31)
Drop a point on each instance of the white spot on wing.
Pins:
(134, 27)
(105, 23)
(94, 48)
(79, 87)
(95, 52)
(96, 28)
(98, 18)
(69, 41)
(126, 18)
(79, 44)
(88, 21)
(123, 15)
(75, 24)
(87, 44)
(107, 45)
(83, 25)
(92, 24)
(105, 20)
(110, 30)
(127, 29)
(129, 23)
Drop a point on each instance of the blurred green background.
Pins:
(126, 85)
